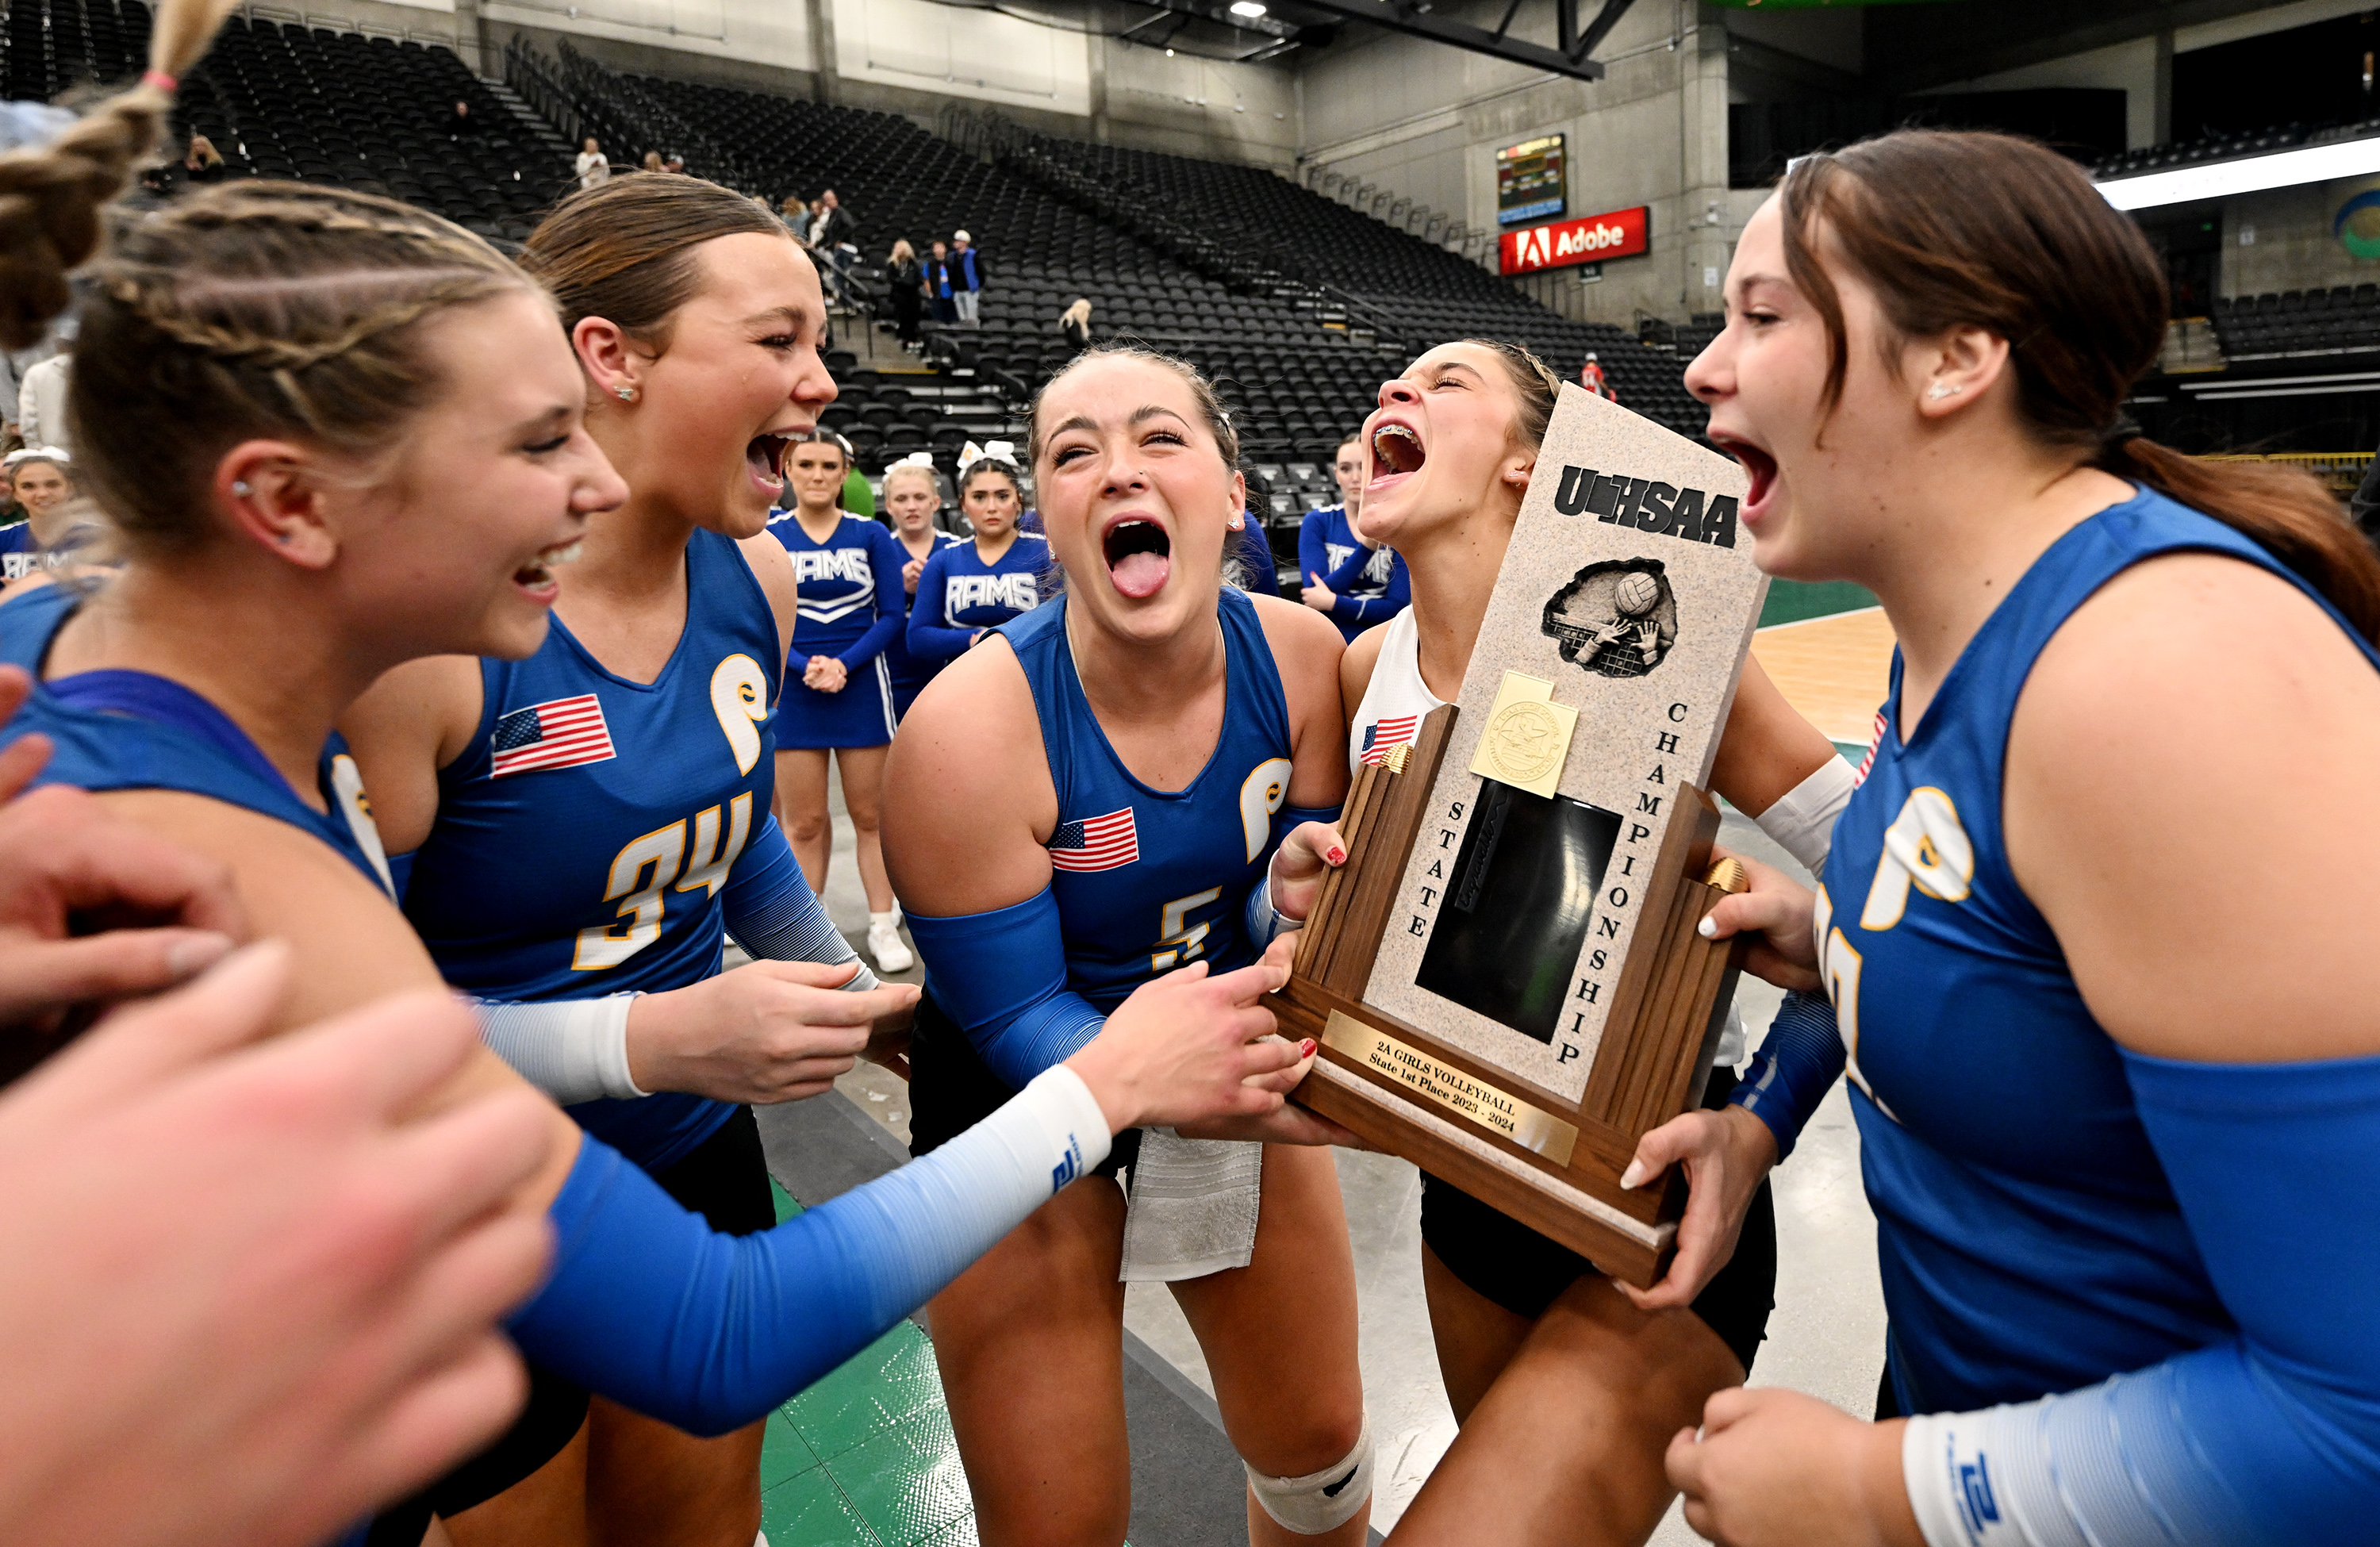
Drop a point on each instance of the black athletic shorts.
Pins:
(724, 1180)
(1497, 1256)
(952, 1089)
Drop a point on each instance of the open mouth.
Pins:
(536, 575)
(765, 455)
(1395, 450)
(1758, 463)
(1139, 555)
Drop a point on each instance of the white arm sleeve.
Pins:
(1802, 822)
(574, 1050)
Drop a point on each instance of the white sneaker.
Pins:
(884, 943)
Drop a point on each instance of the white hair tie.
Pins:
(1004, 450)
(37, 454)
(915, 460)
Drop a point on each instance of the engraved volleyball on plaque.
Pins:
(1505, 977)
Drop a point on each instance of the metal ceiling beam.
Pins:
(1416, 21)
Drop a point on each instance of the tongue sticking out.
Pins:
(1143, 574)
(1140, 556)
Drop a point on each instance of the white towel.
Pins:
(1193, 1208)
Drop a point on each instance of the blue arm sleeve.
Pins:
(773, 914)
(1002, 976)
(929, 638)
(1795, 1068)
(1260, 917)
(2271, 1436)
(892, 602)
(652, 1307)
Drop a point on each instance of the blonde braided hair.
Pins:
(259, 310)
(50, 197)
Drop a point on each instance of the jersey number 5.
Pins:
(659, 854)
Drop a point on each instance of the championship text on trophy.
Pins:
(1505, 976)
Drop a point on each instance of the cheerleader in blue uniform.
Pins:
(2093, 925)
(913, 497)
(388, 462)
(42, 483)
(838, 684)
(1356, 583)
(974, 587)
(1095, 797)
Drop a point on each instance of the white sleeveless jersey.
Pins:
(1396, 699)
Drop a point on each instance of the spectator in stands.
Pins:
(907, 279)
(156, 189)
(835, 231)
(202, 162)
(937, 285)
(1075, 322)
(594, 170)
(1590, 377)
(460, 125)
(674, 162)
(1356, 582)
(797, 216)
(41, 396)
(966, 279)
(652, 162)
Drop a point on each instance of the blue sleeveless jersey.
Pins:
(131, 730)
(586, 833)
(909, 673)
(958, 593)
(2028, 1241)
(1149, 880)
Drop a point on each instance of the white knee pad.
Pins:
(1319, 1500)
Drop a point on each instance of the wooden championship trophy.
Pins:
(1505, 976)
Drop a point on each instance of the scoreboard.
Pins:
(1530, 181)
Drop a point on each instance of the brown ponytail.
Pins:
(50, 197)
(1991, 231)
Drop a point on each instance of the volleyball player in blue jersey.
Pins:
(1090, 799)
(386, 461)
(913, 497)
(631, 753)
(838, 687)
(2087, 925)
(974, 587)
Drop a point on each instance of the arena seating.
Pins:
(2337, 322)
(2228, 144)
(315, 105)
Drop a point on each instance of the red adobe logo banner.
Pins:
(1588, 240)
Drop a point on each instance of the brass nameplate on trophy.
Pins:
(1505, 975)
(1534, 1129)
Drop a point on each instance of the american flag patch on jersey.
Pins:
(1383, 736)
(562, 733)
(1876, 739)
(1099, 843)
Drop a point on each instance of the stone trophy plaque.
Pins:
(1505, 976)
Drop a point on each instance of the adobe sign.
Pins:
(1589, 239)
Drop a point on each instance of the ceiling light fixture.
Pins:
(1248, 9)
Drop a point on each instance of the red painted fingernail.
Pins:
(1337, 855)
(1305, 1048)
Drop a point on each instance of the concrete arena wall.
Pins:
(1427, 121)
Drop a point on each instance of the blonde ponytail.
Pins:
(50, 198)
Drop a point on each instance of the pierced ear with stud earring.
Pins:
(626, 393)
(1940, 390)
(239, 488)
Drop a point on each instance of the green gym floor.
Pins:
(866, 1457)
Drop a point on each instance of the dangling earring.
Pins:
(627, 394)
